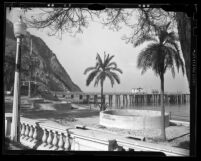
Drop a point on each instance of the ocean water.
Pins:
(177, 111)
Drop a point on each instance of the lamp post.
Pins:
(20, 32)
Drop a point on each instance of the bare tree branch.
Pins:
(71, 20)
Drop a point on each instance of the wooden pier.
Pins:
(123, 99)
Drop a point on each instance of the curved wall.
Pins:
(132, 119)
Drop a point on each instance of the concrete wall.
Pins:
(33, 136)
(132, 119)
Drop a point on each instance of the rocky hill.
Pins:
(42, 63)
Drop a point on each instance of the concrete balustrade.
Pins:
(68, 141)
(44, 138)
(28, 132)
(60, 142)
(22, 131)
(54, 138)
(48, 136)
(49, 139)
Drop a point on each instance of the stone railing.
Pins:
(45, 135)
(54, 138)
(28, 133)
(49, 136)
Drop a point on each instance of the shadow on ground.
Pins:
(50, 111)
(9, 145)
(184, 144)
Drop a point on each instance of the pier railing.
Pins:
(43, 135)
(123, 98)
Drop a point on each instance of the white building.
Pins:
(137, 90)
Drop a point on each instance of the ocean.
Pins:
(177, 111)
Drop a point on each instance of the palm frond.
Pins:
(172, 44)
(108, 59)
(173, 71)
(91, 76)
(89, 69)
(144, 59)
(116, 77)
(114, 69)
(144, 39)
(178, 61)
(152, 57)
(169, 63)
(105, 56)
(110, 77)
(100, 77)
(112, 64)
(99, 60)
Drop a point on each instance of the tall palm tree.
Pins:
(162, 54)
(102, 70)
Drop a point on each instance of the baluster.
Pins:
(61, 142)
(55, 140)
(67, 144)
(23, 131)
(35, 133)
(31, 133)
(44, 138)
(49, 139)
(26, 132)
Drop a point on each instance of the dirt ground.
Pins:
(71, 115)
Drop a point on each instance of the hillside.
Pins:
(45, 68)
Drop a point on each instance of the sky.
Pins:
(79, 52)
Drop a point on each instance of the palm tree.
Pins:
(162, 54)
(102, 70)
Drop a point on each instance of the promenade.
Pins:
(54, 114)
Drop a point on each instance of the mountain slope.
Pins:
(47, 69)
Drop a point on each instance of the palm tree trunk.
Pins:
(163, 136)
(101, 108)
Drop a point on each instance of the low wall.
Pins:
(42, 135)
(133, 119)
